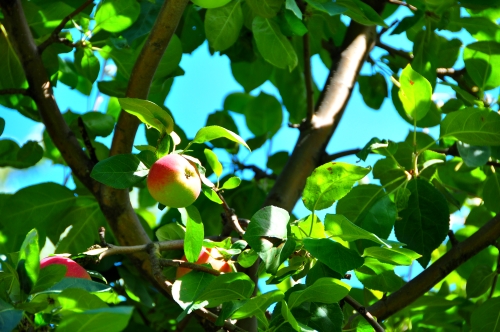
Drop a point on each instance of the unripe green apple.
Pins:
(73, 269)
(174, 181)
(210, 256)
(211, 3)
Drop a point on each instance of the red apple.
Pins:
(74, 270)
(174, 181)
(210, 256)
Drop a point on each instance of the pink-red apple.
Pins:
(210, 256)
(73, 269)
(174, 181)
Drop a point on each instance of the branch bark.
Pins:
(40, 89)
(311, 144)
(363, 312)
(456, 256)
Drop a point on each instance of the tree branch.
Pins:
(192, 266)
(230, 217)
(14, 91)
(86, 140)
(363, 312)
(311, 144)
(401, 3)
(54, 36)
(40, 89)
(456, 256)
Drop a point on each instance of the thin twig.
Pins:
(54, 36)
(102, 237)
(401, 3)
(453, 239)
(363, 312)
(188, 265)
(259, 173)
(340, 155)
(14, 91)
(394, 51)
(231, 217)
(162, 245)
(86, 140)
(308, 79)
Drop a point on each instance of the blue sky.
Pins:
(202, 90)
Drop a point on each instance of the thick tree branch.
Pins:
(40, 90)
(311, 144)
(14, 92)
(54, 36)
(363, 312)
(456, 256)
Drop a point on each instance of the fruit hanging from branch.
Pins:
(174, 181)
(74, 270)
(210, 256)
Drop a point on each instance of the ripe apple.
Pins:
(174, 181)
(74, 270)
(211, 256)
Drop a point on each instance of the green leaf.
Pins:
(227, 287)
(149, 113)
(237, 102)
(270, 221)
(373, 89)
(209, 133)
(116, 15)
(395, 256)
(87, 64)
(11, 155)
(190, 286)
(474, 156)
(336, 225)
(479, 281)
(361, 12)
(329, 7)
(292, 5)
(288, 316)
(486, 317)
(251, 75)
(330, 182)
(9, 317)
(231, 183)
(424, 224)
(474, 126)
(265, 8)
(145, 21)
(99, 320)
(308, 228)
(264, 115)
(96, 124)
(121, 171)
(334, 255)
(28, 264)
(78, 283)
(49, 276)
(378, 276)
(211, 194)
(491, 192)
(272, 44)
(482, 61)
(2, 126)
(213, 161)
(324, 290)
(258, 305)
(194, 232)
(247, 258)
(415, 93)
(172, 231)
(84, 218)
(291, 86)
(223, 25)
(78, 300)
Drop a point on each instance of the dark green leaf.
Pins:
(424, 224)
(258, 305)
(474, 126)
(324, 290)
(2, 126)
(272, 44)
(264, 115)
(11, 155)
(373, 89)
(120, 171)
(334, 255)
(251, 75)
(227, 287)
(482, 60)
(474, 156)
(378, 276)
(336, 225)
(145, 21)
(330, 182)
(28, 264)
(329, 7)
(87, 64)
(361, 12)
(49, 276)
(265, 8)
(270, 221)
(485, 318)
(223, 25)
(9, 317)
(491, 192)
(79, 283)
(237, 101)
(292, 5)
(479, 281)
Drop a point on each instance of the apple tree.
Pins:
(196, 266)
